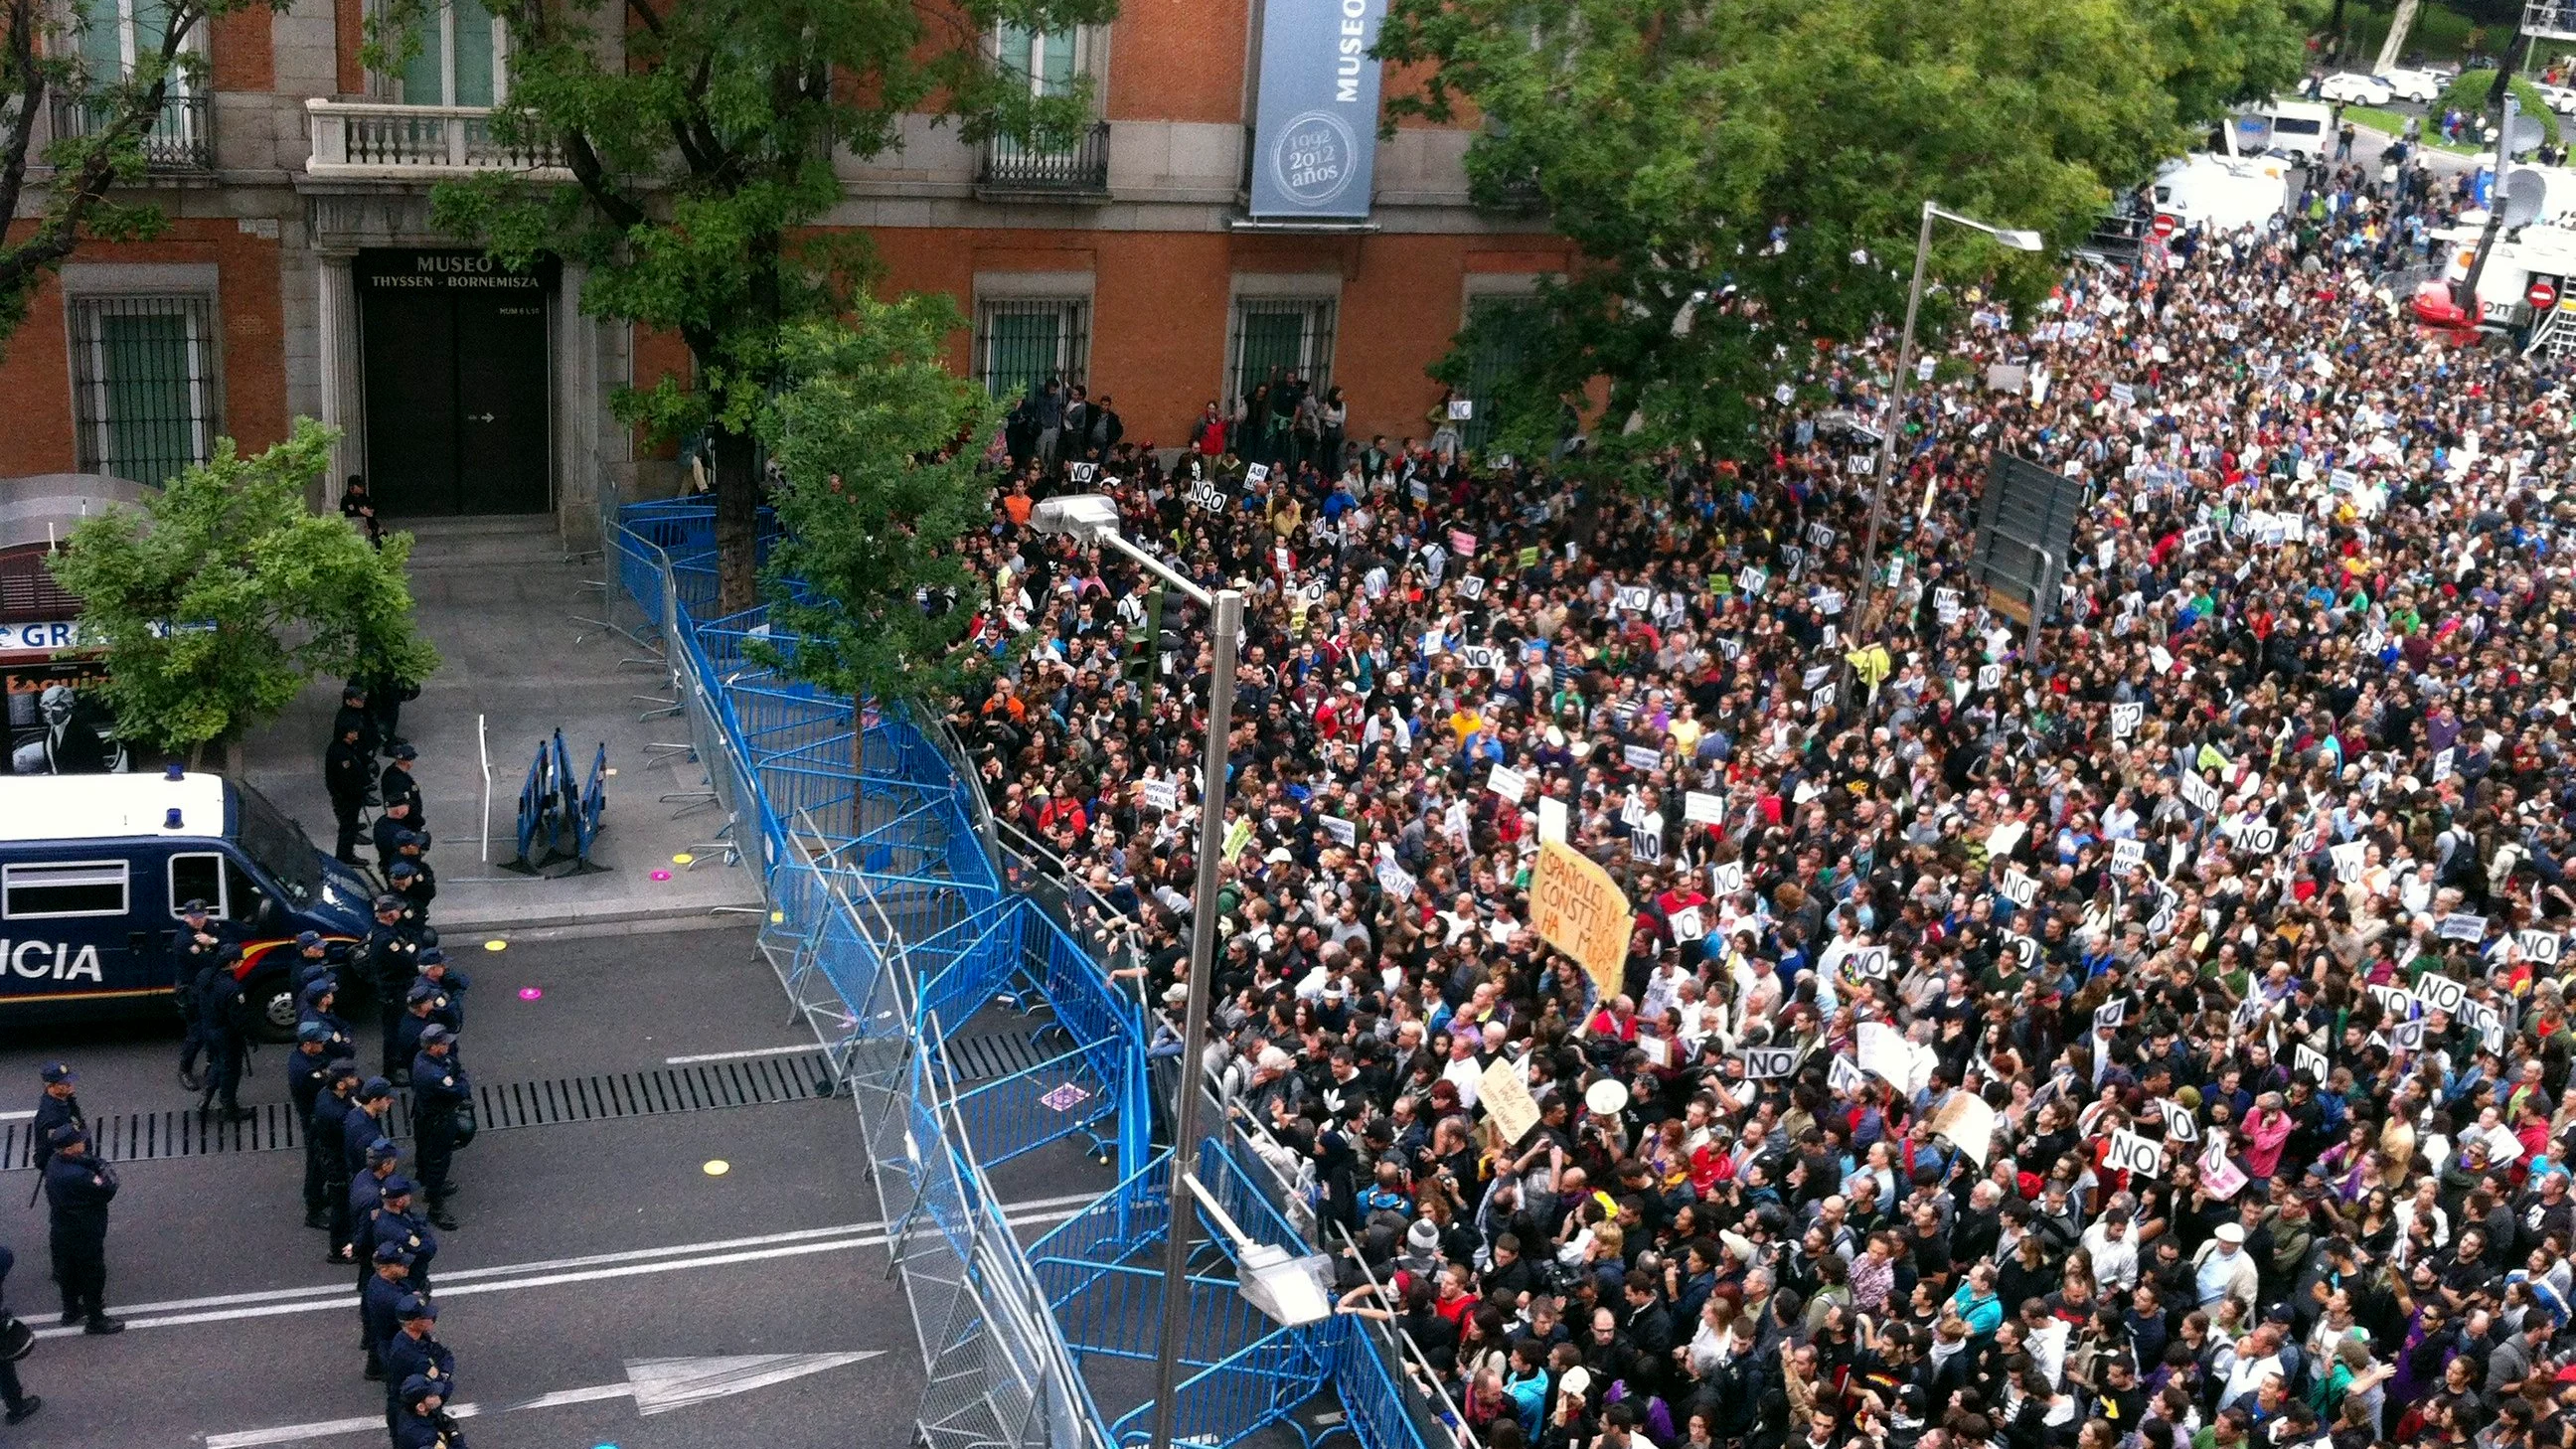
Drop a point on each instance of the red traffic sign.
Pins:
(2164, 224)
(2542, 294)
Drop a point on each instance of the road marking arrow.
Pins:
(657, 1385)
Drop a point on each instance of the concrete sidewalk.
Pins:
(499, 600)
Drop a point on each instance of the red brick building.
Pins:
(301, 275)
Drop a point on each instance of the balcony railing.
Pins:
(1016, 166)
(372, 140)
(182, 137)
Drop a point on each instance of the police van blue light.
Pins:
(94, 869)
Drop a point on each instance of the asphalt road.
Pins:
(592, 1254)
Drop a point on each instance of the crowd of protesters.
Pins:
(2140, 1034)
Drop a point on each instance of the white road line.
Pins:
(593, 1260)
(309, 1300)
(290, 1433)
(17, 1116)
(785, 1051)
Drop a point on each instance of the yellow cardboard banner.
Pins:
(1576, 907)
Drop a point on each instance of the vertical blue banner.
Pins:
(1314, 140)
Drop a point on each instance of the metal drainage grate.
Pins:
(985, 1058)
(706, 1087)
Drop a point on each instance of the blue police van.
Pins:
(94, 870)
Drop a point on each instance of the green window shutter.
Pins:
(424, 81)
(1055, 64)
(1490, 358)
(473, 54)
(102, 46)
(1021, 348)
(148, 370)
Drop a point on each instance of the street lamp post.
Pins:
(2018, 240)
(1093, 518)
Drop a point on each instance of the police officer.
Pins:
(78, 1189)
(373, 1102)
(326, 1157)
(22, 1405)
(398, 1220)
(423, 1421)
(386, 695)
(223, 1017)
(319, 1008)
(354, 714)
(413, 1358)
(58, 1106)
(191, 946)
(439, 1088)
(344, 774)
(420, 1013)
(452, 984)
(313, 961)
(396, 783)
(394, 823)
(392, 965)
(412, 880)
(367, 1203)
(386, 1288)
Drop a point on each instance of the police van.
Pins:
(94, 870)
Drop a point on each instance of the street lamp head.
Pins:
(2020, 240)
(1085, 516)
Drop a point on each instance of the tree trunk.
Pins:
(737, 522)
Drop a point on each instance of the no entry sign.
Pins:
(2164, 224)
(2542, 294)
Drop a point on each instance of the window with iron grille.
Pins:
(1019, 345)
(1277, 336)
(143, 384)
(1492, 352)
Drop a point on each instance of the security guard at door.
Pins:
(78, 1189)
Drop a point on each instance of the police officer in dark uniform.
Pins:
(367, 1203)
(314, 959)
(398, 1220)
(319, 1008)
(439, 1088)
(191, 946)
(392, 965)
(386, 1288)
(422, 1421)
(452, 984)
(344, 774)
(412, 1357)
(420, 1013)
(58, 1106)
(396, 783)
(223, 1016)
(387, 833)
(326, 1157)
(22, 1405)
(354, 714)
(373, 1102)
(412, 879)
(386, 695)
(308, 1077)
(78, 1189)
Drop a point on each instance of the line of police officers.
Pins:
(381, 1223)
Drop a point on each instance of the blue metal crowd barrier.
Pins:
(890, 920)
(584, 809)
(537, 799)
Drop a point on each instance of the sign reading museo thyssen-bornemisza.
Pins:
(1315, 142)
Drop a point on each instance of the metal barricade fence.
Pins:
(888, 917)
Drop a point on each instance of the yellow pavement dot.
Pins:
(718, 1167)
(683, 858)
(612, 769)
(776, 917)
(496, 944)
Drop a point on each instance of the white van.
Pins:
(2546, 253)
(2304, 129)
(2222, 193)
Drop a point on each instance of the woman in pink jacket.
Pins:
(2265, 1130)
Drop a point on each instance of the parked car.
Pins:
(2421, 86)
(2352, 88)
(2560, 98)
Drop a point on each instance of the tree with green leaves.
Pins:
(702, 153)
(103, 91)
(225, 595)
(1745, 178)
(871, 430)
